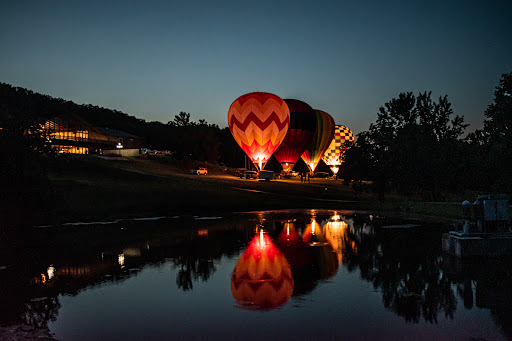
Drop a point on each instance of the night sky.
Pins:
(155, 59)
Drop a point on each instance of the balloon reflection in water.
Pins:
(324, 258)
(313, 234)
(294, 248)
(262, 278)
(335, 231)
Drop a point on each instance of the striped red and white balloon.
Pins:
(259, 122)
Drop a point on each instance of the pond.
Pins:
(308, 274)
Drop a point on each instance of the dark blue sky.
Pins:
(155, 59)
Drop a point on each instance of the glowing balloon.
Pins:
(343, 140)
(335, 232)
(259, 122)
(262, 278)
(293, 247)
(325, 262)
(299, 135)
(323, 136)
(313, 234)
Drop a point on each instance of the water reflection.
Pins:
(294, 248)
(295, 256)
(39, 311)
(262, 278)
(405, 265)
(336, 233)
(484, 283)
(313, 251)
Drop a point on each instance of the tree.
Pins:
(498, 123)
(202, 144)
(24, 185)
(411, 145)
(495, 141)
(181, 120)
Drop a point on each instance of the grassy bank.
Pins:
(87, 188)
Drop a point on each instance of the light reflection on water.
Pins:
(301, 275)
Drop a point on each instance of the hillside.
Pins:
(20, 107)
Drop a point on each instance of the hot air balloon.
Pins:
(299, 135)
(259, 122)
(262, 278)
(343, 140)
(335, 231)
(323, 136)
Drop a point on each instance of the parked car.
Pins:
(266, 175)
(199, 171)
(321, 175)
(289, 174)
(249, 175)
(239, 172)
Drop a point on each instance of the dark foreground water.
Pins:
(268, 275)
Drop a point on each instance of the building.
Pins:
(69, 133)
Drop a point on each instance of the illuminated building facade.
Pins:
(71, 134)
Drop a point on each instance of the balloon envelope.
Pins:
(262, 278)
(323, 136)
(259, 121)
(335, 231)
(343, 140)
(299, 135)
(293, 247)
(313, 234)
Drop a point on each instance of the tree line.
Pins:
(25, 158)
(21, 109)
(418, 147)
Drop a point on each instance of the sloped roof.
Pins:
(116, 133)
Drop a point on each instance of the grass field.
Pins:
(87, 188)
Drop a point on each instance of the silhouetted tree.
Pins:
(202, 142)
(193, 140)
(181, 120)
(24, 182)
(498, 122)
(497, 136)
(411, 146)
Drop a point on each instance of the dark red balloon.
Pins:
(300, 132)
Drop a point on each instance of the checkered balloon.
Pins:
(342, 141)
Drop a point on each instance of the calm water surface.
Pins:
(276, 275)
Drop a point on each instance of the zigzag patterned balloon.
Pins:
(262, 278)
(259, 122)
(343, 140)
